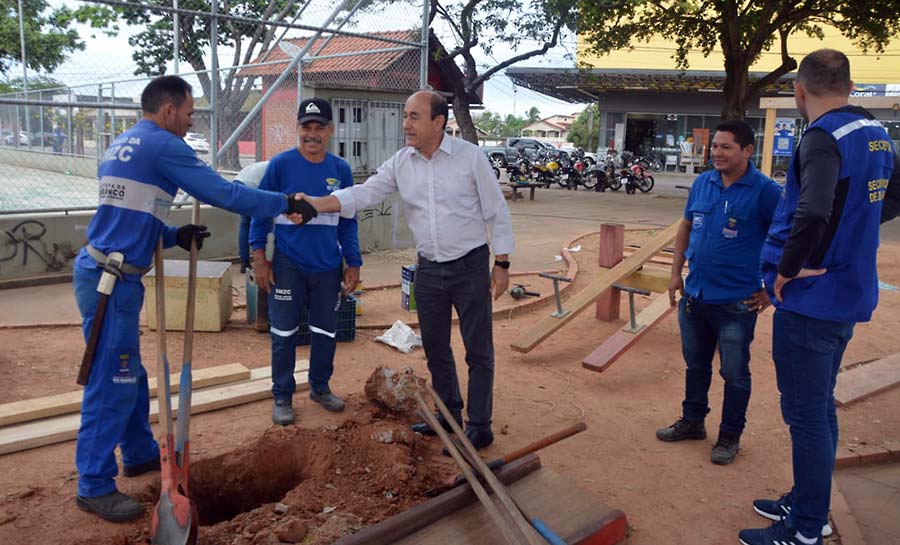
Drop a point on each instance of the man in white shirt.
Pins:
(453, 204)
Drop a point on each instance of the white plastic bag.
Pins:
(401, 337)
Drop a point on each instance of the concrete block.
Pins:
(213, 301)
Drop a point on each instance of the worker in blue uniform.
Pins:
(727, 215)
(139, 177)
(306, 266)
(819, 266)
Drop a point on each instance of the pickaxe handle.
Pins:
(87, 361)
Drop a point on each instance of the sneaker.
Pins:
(140, 469)
(777, 534)
(282, 412)
(726, 449)
(327, 400)
(114, 507)
(778, 509)
(682, 429)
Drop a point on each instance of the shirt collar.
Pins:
(747, 179)
(445, 146)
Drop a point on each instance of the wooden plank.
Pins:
(64, 428)
(648, 279)
(399, 526)
(70, 402)
(620, 341)
(768, 142)
(583, 299)
(867, 380)
(573, 514)
(612, 248)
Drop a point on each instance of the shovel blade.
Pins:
(173, 521)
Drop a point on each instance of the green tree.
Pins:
(514, 125)
(49, 37)
(743, 29)
(584, 132)
(534, 114)
(153, 48)
(481, 25)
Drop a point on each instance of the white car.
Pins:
(589, 158)
(197, 142)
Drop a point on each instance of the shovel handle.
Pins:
(87, 361)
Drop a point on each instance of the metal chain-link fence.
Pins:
(249, 66)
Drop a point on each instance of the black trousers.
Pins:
(463, 284)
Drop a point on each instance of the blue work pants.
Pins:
(115, 409)
(295, 288)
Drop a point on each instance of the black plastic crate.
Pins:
(346, 323)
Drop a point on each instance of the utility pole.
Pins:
(591, 127)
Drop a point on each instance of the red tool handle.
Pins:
(87, 361)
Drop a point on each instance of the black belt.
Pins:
(100, 258)
(470, 253)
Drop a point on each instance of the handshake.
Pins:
(300, 209)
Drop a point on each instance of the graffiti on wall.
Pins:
(25, 241)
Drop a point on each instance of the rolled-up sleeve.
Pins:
(378, 187)
(493, 206)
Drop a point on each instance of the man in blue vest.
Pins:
(139, 176)
(726, 218)
(305, 271)
(820, 271)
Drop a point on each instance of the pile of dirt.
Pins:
(310, 486)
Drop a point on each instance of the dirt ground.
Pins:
(670, 492)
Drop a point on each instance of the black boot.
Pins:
(425, 429)
(114, 507)
(682, 429)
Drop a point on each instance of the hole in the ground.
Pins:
(260, 473)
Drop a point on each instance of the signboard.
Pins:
(784, 137)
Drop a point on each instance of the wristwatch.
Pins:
(501, 264)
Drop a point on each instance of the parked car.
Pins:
(23, 138)
(197, 142)
(501, 155)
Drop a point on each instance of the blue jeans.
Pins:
(807, 353)
(115, 409)
(465, 285)
(703, 328)
(295, 288)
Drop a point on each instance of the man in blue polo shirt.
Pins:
(726, 218)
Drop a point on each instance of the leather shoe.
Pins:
(425, 429)
(140, 469)
(282, 412)
(479, 438)
(114, 507)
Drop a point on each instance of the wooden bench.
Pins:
(530, 187)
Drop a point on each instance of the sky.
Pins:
(109, 58)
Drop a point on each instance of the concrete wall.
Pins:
(67, 164)
(42, 245)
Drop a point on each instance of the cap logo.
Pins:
(311, 108)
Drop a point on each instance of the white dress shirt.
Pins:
(450, 200)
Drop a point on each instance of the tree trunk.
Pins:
(736, 87)
(464, 117)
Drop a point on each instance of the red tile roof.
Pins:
(376, 62)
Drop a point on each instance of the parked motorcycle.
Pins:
(577, 170)
(635, 178)
(544, 170)
(519, 171)
(602, 176)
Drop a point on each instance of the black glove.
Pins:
(189, 232)
(302, 207)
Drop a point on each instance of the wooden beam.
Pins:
(768, 142)
(612, 251)
(648, 279)
(70, 402)
(64, 428)
(619, 342)
(871, 103)
(867, 380)
(583, 299)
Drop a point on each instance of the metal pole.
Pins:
(232, 139)
(97, 138)
(24, 71)
(112, 115)
(176, 24)
(214, 84)
(423, 59)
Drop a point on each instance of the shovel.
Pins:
(174, 520)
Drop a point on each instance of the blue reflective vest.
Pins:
(848, 292)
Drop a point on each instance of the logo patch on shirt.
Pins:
(333, 184)
(124, 376)
(698, 220)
